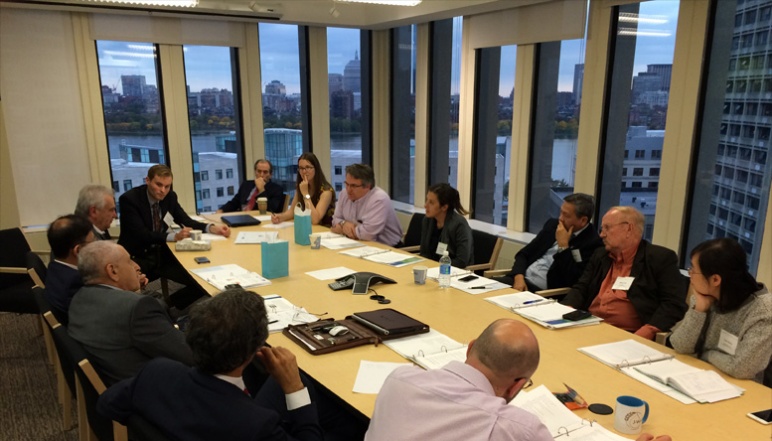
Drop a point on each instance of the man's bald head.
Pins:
(506, 352)
(105, 262)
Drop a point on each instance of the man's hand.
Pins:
(281, 364)
(350, 230)
(182, 234)
(563, 236)
(519, 283)
(222, 230)
(649, 437)
(337, 228)
(260, 184)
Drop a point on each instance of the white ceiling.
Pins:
(304, 12)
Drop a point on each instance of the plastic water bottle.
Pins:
(445, 270)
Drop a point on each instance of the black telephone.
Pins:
(360, 281)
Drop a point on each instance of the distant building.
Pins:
(578, 81)
(283, 147)
(133, 85)
(352, 75)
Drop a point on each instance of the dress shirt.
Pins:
(538, 270)
(170, 236)
(613, 304)
(456, 402)
(373, 215)
(296, 399)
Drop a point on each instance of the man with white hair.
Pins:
(120, 329)
(97, 204)
(631, 283)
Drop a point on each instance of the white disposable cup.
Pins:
(316, 240)
(419, 274)
(630, 414)
(195, 234)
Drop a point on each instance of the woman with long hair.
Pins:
(312, 192)
(729, 322)
(445, 228)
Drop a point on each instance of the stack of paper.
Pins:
(537, 309)
(334, 241)
(478, 285)
(282, 313)
(431, 350)
(381, 255)
(434, 273)
(232, 274)
(251, 237)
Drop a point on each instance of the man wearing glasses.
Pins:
(464, 401)
(260, 187)
(364, 211)
(631, 284)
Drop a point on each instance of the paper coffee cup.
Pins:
(195, 234)
(262, 205)
(419, 274)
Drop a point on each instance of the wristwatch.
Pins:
(561, 249)
(308, 197)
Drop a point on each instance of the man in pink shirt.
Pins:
(631, 283)
(466, 401)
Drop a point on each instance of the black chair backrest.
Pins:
(140, 429)
(484, 245)
(35, 262)
(68, 351)
(413, 234)
(40, 298)
(13, 254)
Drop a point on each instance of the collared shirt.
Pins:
(172, 233)
(536, 273)
(456, 402)
(294, 400)
(373, 215)
(612, 304)
(75, 267)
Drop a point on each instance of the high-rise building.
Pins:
(665, 71)
(133, 85)
(275, 87)
(352, 75)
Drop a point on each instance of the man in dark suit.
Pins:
(97, 204)
(120, 329)
(631, 284)
(66, 236)
(261, 187)
(557, 256)
(210, 401)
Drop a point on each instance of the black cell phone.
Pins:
(232, 286)
(468, 278)
(577, 315)
(201, 259)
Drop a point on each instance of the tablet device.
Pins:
(240, 220)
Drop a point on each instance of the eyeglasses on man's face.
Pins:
(353, 185)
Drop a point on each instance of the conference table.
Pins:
(462, 317)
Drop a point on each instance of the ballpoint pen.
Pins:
(530, 302)
(481, 287)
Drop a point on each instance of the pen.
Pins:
(273, 321)
(530, 302)
(480, 287)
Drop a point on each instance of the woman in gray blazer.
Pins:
(445, 227)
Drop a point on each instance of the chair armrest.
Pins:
(479, 266)
(553, 292)
(12, 270)
(495, 273)
(661, 338)
(42, 253)
(411, 249)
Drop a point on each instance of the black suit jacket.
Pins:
(658, 292)
(272, 191)
(62, 282)
(188, 404)
(137, 234)
(565, 270)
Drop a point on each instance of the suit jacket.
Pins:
(565, 270)
(122, 330)
(188, 404)
(137, 234)
(658, 292)
(101, 236)
(456, 233)
(62, 282)
(272, 191)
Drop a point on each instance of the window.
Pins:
(637, 110)
(403, 53)
(230, 190)
(205, 193)
(338, 186)
(654, 171)
(284, 99)
(560, 70)
(218, 175)
(656, 154)
(116, 186)
(229, 173)
(204, 175)
(338, 170)
(348, 79)
(220, 192)
(132, 107)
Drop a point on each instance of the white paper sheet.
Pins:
(372, 374)
(255, 237)
(212, 237)
(331, 273)
(278, 226)
(222, 275)
(340, 243)
(282, 313)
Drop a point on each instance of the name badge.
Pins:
(577, 255)
(623, 283)
(168, 219)
(441, 247)
(727, 342)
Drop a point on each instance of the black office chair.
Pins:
(486, 251)
(92, 387)
(67, 350)
(411, 242)
(15, 283)
(36, 264)
(38, 294)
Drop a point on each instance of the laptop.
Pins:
(240, 220)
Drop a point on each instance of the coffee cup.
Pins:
(195, 234)
(419, 274)
(316, 240)
(262, 205)
(630, 414)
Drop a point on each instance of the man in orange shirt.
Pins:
(631, 284)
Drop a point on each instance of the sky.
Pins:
(208, 66)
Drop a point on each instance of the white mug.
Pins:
(630, 414)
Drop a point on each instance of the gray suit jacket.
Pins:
(455, 233)
(122, 330)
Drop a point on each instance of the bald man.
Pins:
(466, 401)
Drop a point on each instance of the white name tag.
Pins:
(623, 283)
(727, 342)
(577, 255)
(168, 219)
(441, 247)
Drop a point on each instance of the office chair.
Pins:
(411, 241)
(486, 251)
(38, 293)
(15, 283)
(66, 383)
(36, 268)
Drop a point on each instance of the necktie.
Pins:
(252, 199)
(156, 218)
(106, 236)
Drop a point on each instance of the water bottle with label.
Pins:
(444, 270)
